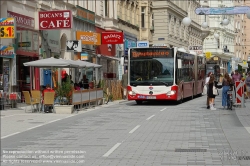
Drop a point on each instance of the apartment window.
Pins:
(143, 17)
(106, 8)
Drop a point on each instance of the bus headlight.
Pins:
(172, 92)
(131, 92)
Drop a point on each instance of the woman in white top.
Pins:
(206, 84)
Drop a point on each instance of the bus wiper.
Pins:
(165, 83)
(141, 83)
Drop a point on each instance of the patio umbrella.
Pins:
(51, 62)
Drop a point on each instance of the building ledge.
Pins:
(128, 24)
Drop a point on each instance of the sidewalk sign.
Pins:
(240, 98)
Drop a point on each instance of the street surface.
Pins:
(120, 134)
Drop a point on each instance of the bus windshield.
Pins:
(152, 71)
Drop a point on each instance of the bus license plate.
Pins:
(151, 97)
(229, 92)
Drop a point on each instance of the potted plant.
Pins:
(64, 93)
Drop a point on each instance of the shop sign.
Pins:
(7, 28)
(85, 15)
(24, 44)
(84, 56)
(61, 19)
(22, 20)
(112, 37)
(90, 38)
(197, 49)
(74, 45)
(142, 44)
(7, 52)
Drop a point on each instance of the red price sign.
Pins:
(7, 32)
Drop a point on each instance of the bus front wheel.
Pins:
(139, 102)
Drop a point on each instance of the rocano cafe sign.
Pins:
(112, 37)
(61, 19)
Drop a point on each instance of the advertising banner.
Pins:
(7, 28)
(7, 51)
(90, 38)
(223, 11)
(74, 45)
(61, 19)
(112, 37)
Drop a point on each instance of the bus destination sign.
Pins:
(150, 53)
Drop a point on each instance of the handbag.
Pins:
(215, 91)
(204, 90)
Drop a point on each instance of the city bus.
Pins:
(164, 74)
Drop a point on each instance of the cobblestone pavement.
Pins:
(121, 134)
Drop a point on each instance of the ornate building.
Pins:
(168, 28)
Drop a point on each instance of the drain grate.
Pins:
(243, 157)
(190, 150)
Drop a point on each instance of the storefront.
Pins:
(7, 56)
(107, 53)
(84, 30)
(27, 49)
(130, 40)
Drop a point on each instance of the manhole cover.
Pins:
(190, 150)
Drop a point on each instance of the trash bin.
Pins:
(1, 103)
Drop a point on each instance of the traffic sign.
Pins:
(7, 28)
(142, 44)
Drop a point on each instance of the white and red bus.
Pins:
(164, 74)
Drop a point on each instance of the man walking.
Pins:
(125, 83)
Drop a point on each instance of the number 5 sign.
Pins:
(7, 28)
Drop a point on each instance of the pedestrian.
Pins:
(206, 84)
(125, 83)
(211, 84)
(236, 76)
(247, 81)
(226, 82)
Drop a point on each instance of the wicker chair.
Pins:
(29, 101)
(49, 98)
(36, 95)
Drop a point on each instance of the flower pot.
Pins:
(64, 109)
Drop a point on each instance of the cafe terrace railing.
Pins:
(87, 97)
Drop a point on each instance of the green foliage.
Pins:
(63, 91)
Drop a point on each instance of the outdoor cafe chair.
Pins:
(36, 95)
(48, 100)
(29, 101)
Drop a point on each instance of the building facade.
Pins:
(168, 27)
(220, 41)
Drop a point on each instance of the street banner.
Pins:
(7, 28)
(60, 19)
(222, 11)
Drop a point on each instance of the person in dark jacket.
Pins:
(211, 95)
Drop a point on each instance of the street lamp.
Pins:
(99, 55)
(186, 21)
(225, 22)
(204, 25)
(216, 36)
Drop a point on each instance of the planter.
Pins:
(64, 109)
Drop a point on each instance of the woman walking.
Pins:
(211, 94)
(206, 84)
(225, 87)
